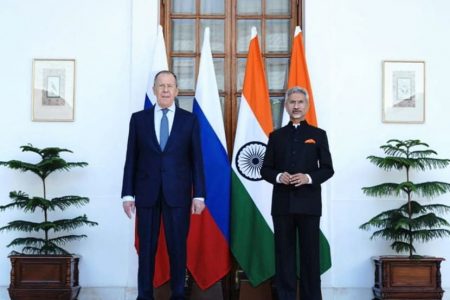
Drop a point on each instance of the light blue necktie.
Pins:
(164, 129)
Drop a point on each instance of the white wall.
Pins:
(98, 35)
(346, 42)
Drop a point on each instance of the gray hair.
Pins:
(296, 90)
(165, 72)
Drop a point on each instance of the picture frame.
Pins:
(53, 90)
(403, 91)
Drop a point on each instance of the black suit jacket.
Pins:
(303, 152)
(177, 171)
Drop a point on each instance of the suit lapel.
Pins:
(151, 124)
(175, 127)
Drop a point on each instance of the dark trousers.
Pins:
(286, 229)
(176, 225)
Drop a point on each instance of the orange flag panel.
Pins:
(298, 75)
(255, 87)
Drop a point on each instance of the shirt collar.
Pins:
(170, 108)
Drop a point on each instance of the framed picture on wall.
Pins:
(53, 90)
(403, 91)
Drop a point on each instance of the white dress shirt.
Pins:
(158, 116)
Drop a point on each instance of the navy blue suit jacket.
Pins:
(177, 171)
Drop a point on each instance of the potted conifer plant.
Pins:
(43, 269)
(412, 276)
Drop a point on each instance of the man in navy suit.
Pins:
(296, 162)
(163, 177)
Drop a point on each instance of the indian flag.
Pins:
(251, 223)
(299, 76)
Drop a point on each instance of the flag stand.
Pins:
(243, 290)
(192, 291)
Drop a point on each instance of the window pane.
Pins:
(185, 102)
(278, 7)
(222, 105)
(277, 36)
(216, 35)
(219, 68)
(238, 106)
(241, 62)
(277, 105)
(183, 35)
(183, 6)
(183, 67)
(214, 7)
(249, 7)
(244, 31)
(277, 72)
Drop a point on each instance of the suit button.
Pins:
(293, 152)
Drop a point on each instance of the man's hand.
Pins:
(285, 178)
(299, 178)
(197, 206)
(129, 208)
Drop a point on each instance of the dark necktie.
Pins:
(164, 129)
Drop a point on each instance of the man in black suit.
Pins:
(163, 176)
(296, 162)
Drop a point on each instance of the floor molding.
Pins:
(122, 293)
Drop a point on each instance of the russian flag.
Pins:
(158, 63)
(209, 257)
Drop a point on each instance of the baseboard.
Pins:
(122, 293)
(94, 293)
